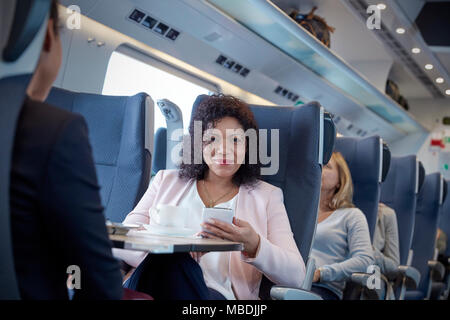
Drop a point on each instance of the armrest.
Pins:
(378, 291)
(437, 270)
(360, 278)
(309, 276)
(285, 293)
(411, 276)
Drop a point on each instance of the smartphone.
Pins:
(223, 214)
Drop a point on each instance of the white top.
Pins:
(215, 265)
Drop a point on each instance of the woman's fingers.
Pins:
(240, 223)
(222, 225)
(210, 236)
(217, 231)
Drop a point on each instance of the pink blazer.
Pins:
(278, 257)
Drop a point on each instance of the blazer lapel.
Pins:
(241, 202)
(181, 192)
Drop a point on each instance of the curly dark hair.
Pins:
(211, 110)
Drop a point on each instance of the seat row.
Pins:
(307, 139)
(121, 135)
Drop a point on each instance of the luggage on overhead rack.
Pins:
(315, 25)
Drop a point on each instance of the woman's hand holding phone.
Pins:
(239, 231)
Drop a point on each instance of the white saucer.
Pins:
(168, 231)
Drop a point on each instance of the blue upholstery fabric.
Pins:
(363, 159)
(117, 135)
(299, 174)
(160, 149)
(414, 295)
(444, 191)
(329, 137)
(427, 219)
(398, 191)
(444, 222)
(422, 175)
(386, 162)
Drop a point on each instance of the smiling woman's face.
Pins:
(224, 147)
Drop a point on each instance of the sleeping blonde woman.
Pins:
(342, 243)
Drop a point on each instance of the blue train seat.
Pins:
(121, 135)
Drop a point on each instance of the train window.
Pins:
(127, 75)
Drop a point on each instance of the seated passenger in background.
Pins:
(385, 240)
(56, 213)
(441, 241)
(441, 247)
(342, 242)
(224, 178)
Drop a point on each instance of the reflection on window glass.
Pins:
(129, 76)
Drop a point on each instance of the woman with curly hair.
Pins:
(224, 177)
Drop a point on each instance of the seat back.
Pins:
(302, 147)
(160, 151)
(444, 222)
(364, 159)
(427, 219)
(22, 30)
(329, 137)
(121, 135)
(422, 175)
(399, 191)
(174, 132)
(386, 166)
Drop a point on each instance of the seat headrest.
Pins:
(426, 223)
(160, 150)
(364, 159)
(363, 156)
(7, 8)
(399, 191)
(329, 137)
(386, 161)
(197, 102)
(421, 175)
(22, 31)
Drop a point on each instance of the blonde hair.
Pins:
(343, 197)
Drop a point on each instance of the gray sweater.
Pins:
(385, 240)
(341, 247)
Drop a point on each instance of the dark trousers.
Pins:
(171, 277)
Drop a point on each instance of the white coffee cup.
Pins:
(168, 216)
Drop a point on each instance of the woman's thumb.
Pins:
(239, 223)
